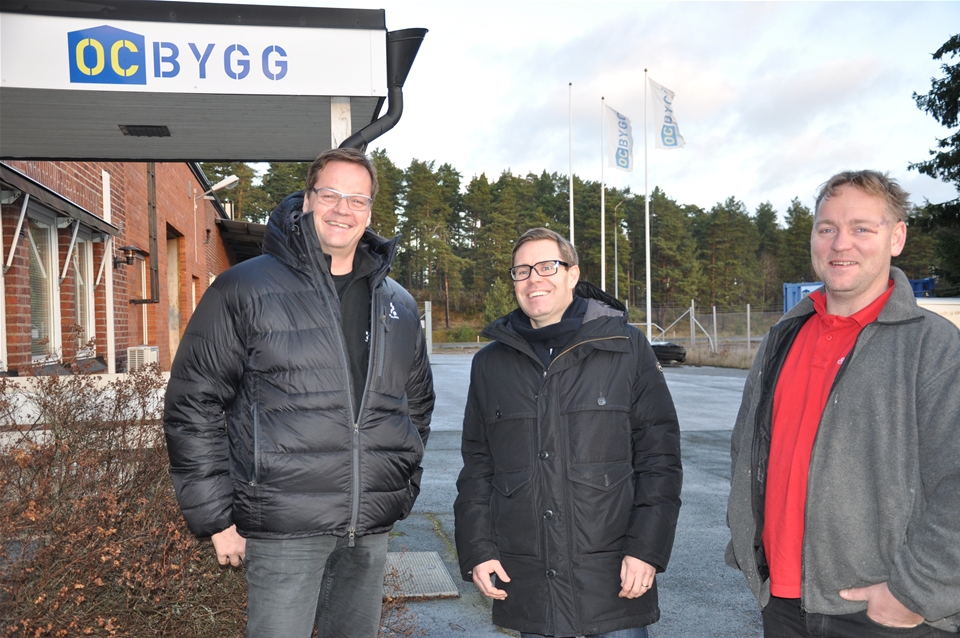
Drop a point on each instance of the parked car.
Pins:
(668, 352)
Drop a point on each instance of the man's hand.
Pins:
(231, 547)
(481, 578)
(636, 577)
(882, 607)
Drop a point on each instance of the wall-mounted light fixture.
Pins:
(130, 254)
(230, 181)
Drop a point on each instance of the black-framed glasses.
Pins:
(355, 201)
(543, 268)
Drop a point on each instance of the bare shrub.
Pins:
(91, 537)
(396, 619)
(92, 542)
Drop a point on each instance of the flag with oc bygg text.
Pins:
(666, 129)
(619, 139)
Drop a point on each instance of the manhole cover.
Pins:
(417, 575)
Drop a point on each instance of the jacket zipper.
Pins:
(565, 487)
(325, 278)
(380, 342)
(256, 446)
(761, 439)
(377, 337)
(813, 451)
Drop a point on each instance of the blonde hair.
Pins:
(567, 252)
(873, 183)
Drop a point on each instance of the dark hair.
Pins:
(349, 155)
(873, 183)
(567, 252)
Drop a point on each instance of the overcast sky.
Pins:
(772, 98)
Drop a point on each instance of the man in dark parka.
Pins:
(570, 489)
(298, 408)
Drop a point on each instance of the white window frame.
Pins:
(54, 347)
(89, 322)
(3, 304)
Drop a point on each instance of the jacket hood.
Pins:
(289, 230)
(587, 290)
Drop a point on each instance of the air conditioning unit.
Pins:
(139, 356)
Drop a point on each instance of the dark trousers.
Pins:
(636, 632)
(784, 618)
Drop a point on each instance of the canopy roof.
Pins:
(142, 80)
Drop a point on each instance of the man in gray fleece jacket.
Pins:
(844, 508)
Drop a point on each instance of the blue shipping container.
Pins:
(793, 293)
(922, 287)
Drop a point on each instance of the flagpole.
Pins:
(603, 193)
(570, 109)
(646, 202)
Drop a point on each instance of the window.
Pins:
(83, 285)
(44, 319)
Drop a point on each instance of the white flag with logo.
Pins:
(619, 139)
(666, 129)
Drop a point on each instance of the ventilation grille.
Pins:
(139, 356)
(138, 130)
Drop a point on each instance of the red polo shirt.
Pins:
(798, 401)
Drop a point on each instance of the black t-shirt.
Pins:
(353, 289)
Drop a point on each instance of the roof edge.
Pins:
(203, 13)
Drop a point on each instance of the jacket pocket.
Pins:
(602, 503)
(599, 433)
(256, 444)
(514, 522)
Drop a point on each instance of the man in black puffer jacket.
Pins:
(570, 489)
(317, 363)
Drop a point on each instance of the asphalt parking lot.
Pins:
(700, 596)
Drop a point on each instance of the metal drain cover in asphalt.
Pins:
(417, 575)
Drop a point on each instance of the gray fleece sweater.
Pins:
(883, 494)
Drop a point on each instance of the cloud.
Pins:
(771, 97)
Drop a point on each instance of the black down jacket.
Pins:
(264, 351)
(566, 470)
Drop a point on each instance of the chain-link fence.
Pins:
(709, 334)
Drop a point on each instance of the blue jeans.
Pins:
(294, 584)
(636, 632)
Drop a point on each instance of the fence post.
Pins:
(428, 327)
(748, 332)
(693, 328)
(715, 342)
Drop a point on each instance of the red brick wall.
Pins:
(16, 289)
(82, 183)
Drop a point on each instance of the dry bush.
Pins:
(91, 537)
(396, 619)
(92, 542)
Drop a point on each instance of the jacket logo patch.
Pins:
(393, 312)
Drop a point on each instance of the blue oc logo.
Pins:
(107, 55)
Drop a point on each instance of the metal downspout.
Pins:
(402, 48)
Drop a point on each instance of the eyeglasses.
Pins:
(543, 268)
(355, 201)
